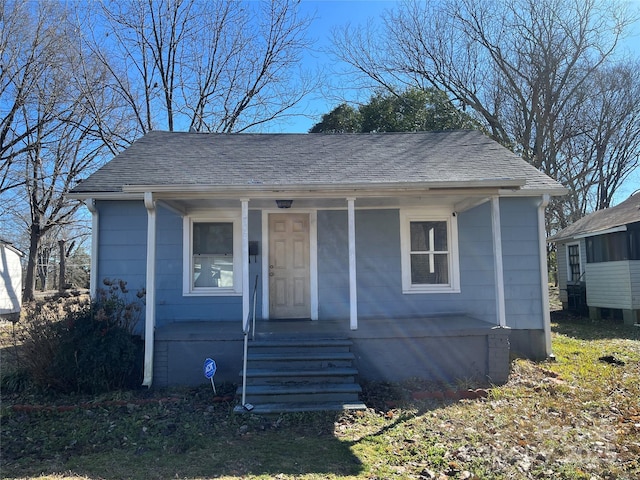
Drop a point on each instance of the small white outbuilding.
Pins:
(599, 262)
(10, 279)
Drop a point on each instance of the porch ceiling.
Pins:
(455, 200)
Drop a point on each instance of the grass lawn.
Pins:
(575, 418)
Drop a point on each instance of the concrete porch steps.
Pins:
(301, 392)
(290, 375)
(290, 407)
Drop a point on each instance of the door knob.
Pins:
(271, 274)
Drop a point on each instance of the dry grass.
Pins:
(575, 418)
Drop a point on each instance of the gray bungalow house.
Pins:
(422, 254)
(599, 262)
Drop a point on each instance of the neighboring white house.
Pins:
(599, 262)
(10, 279)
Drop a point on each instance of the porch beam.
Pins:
(353, 292)
(245, 261)
(150, 306)
(497, 261)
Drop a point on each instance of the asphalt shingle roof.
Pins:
(197, 159)
(622, 214)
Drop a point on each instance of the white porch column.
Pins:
(353, 293)
(497, 261)
(246, 294)
(150, 307)
(544, 276)
(95, 225)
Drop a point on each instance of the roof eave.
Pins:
(325, 187)
(502, 187)
(584, 234)
(534, 192)
(105, 195)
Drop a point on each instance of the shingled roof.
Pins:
(622, 214)
(251, 160)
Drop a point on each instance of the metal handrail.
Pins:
(245, 331)
(255, 296)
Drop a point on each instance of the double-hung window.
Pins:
(574, 269)
(212, 256)
(429, 252)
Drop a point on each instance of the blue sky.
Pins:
(328, 15)
(336, 13)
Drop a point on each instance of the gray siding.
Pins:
(379, 268)
(520, 249)
(123, 256)
(609, 285)
(173, 306)
(333, 265)
(123, 243)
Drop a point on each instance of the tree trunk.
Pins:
(32, 263)
(42, 267)
(61, 276)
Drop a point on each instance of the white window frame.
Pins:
(568, 259)
(429, 215)
(187, 255)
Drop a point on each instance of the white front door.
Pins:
(289, 266)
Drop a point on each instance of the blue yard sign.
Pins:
(210, 371)
(209, 368)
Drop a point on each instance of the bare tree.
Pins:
(53, 110)
(26, 48)
(519, 65)
(216, 66)
(75, 87)
(609, 143)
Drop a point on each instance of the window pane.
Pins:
(213, 270)
(216, 238)
(213, 254)
(430, 269)
(634, 243)
(617, 247)
(574, 263)
(609, 247)
(428, 236)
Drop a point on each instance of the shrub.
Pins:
(81, 346)
(15, 381)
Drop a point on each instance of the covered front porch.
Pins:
(351, 273)
(443, 348)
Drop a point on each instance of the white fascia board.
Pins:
(534, 192)
(621, 228)
(108, 195)
(329, 189)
